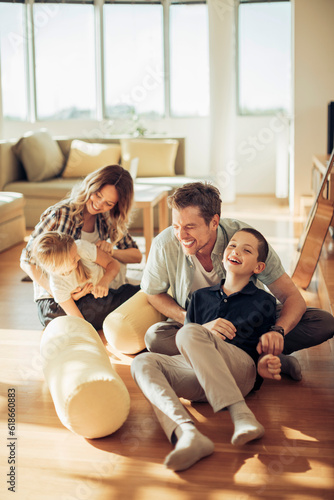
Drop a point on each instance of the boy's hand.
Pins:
(81, 292)
(222, 328)
(270, 343)
(269, 366)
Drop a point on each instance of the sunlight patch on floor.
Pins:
(294, 434)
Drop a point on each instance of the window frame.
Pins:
(100, 112)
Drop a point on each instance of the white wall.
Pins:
(257, 138)
(313, 86)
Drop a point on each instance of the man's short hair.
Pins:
(263, 247)
(203, 195)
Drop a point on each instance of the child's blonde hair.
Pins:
(51, 250)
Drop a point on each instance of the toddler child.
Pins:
(76, 268)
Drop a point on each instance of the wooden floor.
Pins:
(293, 461)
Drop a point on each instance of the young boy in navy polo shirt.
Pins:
(236, 303)
(211, 366)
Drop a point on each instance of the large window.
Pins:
(264, 57)
(13, 68)
(189, 60)
(111, 59)
(133, 60)
(65, 61)
(155, 58)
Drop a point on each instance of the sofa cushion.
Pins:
(58, 188)
(156, 157)
(85, 157)
(40, 156)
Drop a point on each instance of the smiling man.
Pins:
(188, 256)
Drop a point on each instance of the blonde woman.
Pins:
(97, 210)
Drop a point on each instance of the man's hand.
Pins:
(81, 292)
(222, 328)
(271, 343)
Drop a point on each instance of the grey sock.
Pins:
(290, 366)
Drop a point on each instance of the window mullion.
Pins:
(237, 68)
(30, 62)
(99, 59)
(166, 36)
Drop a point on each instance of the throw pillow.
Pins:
(85, 157)
(40, 156)
(156, 157)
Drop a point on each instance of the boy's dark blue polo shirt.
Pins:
(252, 311)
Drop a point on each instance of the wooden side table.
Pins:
(146, 198)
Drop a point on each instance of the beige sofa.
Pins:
(40, 194)
(12, 220)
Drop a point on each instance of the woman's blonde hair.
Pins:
(111, 175)
(51, 250)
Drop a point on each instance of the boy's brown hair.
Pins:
(263, 247)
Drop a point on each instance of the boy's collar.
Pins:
(249, 289)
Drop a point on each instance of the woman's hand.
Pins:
(105, 246)
(222, 328)
(81, 292)
(101, 289)
(126, 256)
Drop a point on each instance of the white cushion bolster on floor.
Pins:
(89, 396)
(125, 327)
